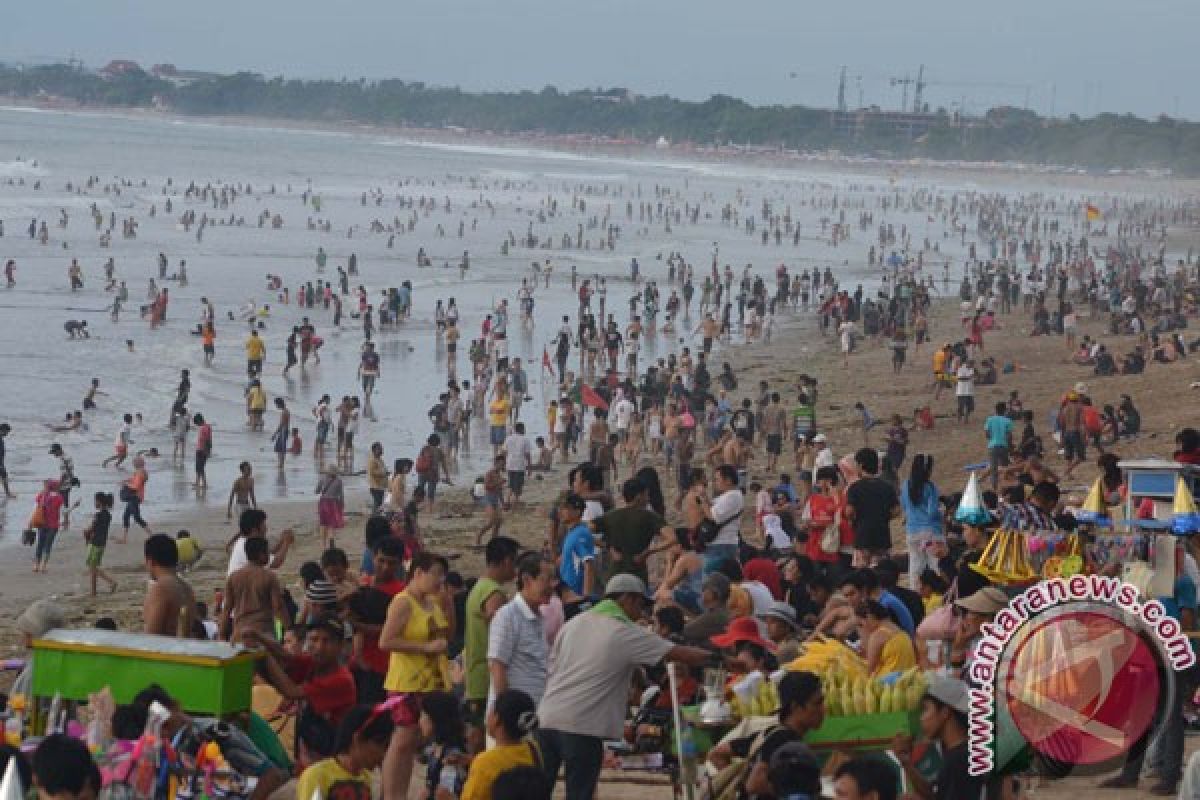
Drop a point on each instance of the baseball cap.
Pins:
(782, 612)
(988, 600)
(950, 691)
(624, 583)
(718, 584)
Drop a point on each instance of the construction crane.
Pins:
(919, 83)
(842, 91)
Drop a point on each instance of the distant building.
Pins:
(119, 67)
(179, 77)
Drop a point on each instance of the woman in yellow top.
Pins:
(362, 740)
(416, 633)
(888, 648)
(512, 718)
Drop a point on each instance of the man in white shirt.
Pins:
(824, 455)
(517, 652)
(622, 414)
(964, 391)
(517, 461)
(726, 512)
(253, 522)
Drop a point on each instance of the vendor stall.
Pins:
(211, 678)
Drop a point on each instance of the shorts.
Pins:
(774, 443)
(368, 383)
(201, 461)
(428, 484)
(497, 434)
(323, 432)
(209, 350)
(492, 500)
(966, 403)
(516, 481)
(707, 344)
(95, 555)
(254, 365)
(1074, 448)
(406, 713)
(997, 457)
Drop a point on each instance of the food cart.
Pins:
(209, 678)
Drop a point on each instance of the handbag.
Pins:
(831, 538)
(37, 519)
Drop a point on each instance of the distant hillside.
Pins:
(1108, 141)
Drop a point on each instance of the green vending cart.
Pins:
(209, 678)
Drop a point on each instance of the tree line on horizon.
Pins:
(1103, 142)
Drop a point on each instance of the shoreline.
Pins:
(677, 156)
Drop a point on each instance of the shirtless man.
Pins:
(170, 605)
(241, 494)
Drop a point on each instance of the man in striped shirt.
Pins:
(517, 650)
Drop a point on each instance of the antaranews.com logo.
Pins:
(1078, 668)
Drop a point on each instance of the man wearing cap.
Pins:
(824, 455)
(780, 619)
(801, 710)
(714, 598)
(980, 608)
(586, 697)
(944, 710)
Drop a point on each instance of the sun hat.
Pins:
(782, 612)
(742, 629)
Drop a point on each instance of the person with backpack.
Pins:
(431, 468)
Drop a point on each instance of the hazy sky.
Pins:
(1083, 56)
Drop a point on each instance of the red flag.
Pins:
(546, 361)
(589, 397)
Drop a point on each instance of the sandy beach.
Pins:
(1042, 367)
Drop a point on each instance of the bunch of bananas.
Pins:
(847, 696)
(821, 654)
(754, 696)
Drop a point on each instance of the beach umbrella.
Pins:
(1094, 511)
(971, 510)
(10, 787)
(1185, 518)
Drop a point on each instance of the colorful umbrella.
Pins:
(971, 510)
(1185, 518)
(1094, 511)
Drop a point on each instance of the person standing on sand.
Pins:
(96, 536)
(48, 510)
(170, 605)
(133, 494)
(331, 505)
